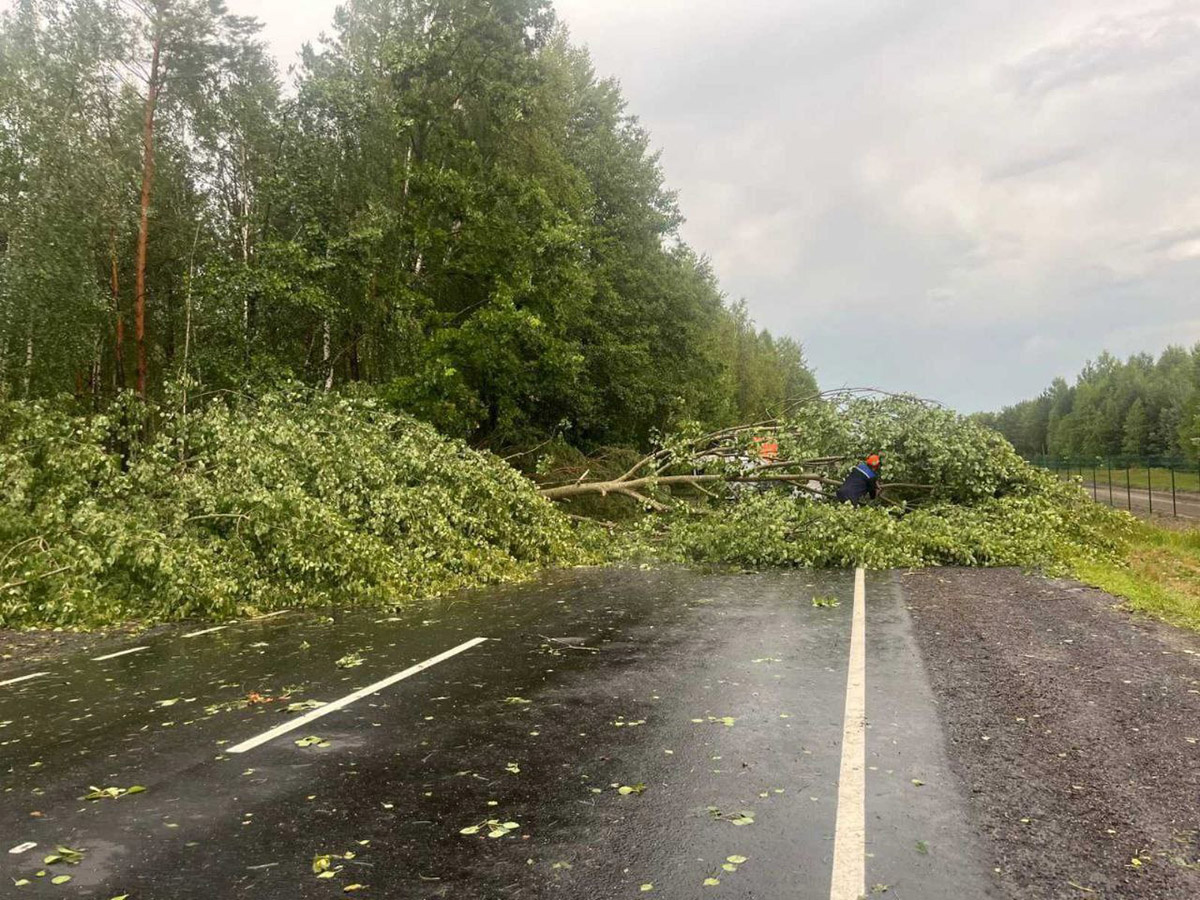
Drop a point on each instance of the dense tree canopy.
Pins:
(448, 206)
(1140, 407)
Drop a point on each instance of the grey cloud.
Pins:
(1113, 47)
(1036, 164)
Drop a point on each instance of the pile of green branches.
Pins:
(954, 493)
(291, 500)
(305, 499)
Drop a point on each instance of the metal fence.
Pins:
(1164, 485)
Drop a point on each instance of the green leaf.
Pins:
(60, 879)
(303, 706)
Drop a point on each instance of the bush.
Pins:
(296, 499)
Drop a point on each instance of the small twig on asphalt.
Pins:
(569, 646)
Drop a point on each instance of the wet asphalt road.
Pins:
(722, 695)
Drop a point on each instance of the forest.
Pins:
(442, 205)
(1140, 407)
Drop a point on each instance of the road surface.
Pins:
(1186, 505)
(620, 733)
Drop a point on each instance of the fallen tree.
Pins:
(955, 493)
(806, 447)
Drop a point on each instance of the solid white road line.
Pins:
(120, 653)
(206, 631)
(350, 698)
(23, 678)
(849, 846)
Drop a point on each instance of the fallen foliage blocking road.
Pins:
(303, 499)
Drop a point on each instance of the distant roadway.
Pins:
(1138, 500)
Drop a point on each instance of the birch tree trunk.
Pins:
(139, 303)
(326, 352)
(114, 289)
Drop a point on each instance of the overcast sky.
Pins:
(962, 199)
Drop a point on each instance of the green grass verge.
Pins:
(1159, 575)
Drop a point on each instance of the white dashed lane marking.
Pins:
(206, 631)
(849, 843)
(119, 653)
(23, 678)
(350, 698)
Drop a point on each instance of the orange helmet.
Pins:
(874, 461)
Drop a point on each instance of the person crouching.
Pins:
(862, 484)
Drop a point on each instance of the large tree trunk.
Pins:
(633, 487)
(139, 303)
(243, 188)
(114, 289)
(327, 354)
(355, 363)
(28, 378)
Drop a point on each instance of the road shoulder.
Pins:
(1073, 725)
